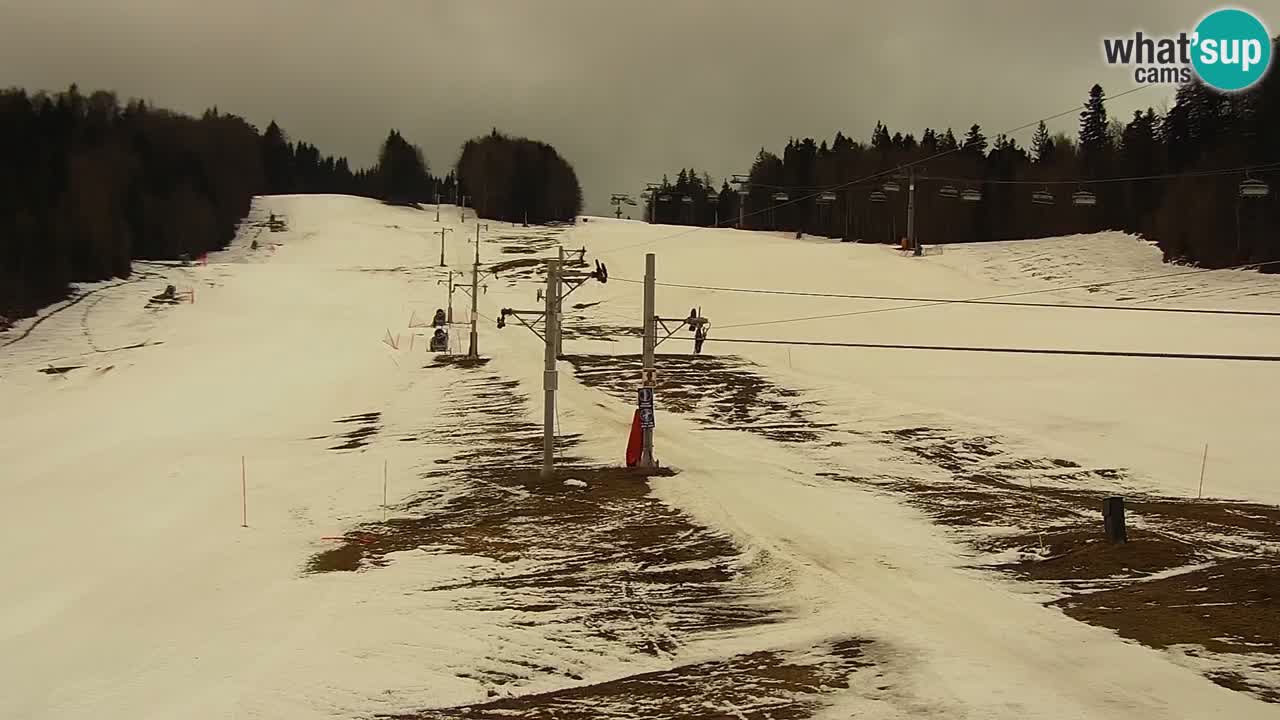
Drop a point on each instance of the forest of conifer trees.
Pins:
(517, 179)
(1195, 217)
(88, 185)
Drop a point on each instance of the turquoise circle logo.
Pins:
(1232, 49)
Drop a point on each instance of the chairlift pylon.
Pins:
(1254, 189)
(948, 191)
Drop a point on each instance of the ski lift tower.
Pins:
(742, 187)
(617, 200)
(911, 174)
(651, 193)
(824, 200)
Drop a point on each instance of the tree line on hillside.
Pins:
(1195, 217)
(692, 199)
(518, 179)
(87, 185)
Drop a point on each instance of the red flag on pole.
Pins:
(636, 442)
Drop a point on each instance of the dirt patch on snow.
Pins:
(760, 685)
(1232, 606)
(364, 427)
(607, 557)
(1196, 573)
(1085, 554)
(718, 391)
(458, 361)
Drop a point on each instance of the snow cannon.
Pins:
(440, 341)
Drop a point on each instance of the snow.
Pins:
(1151, 416)
(136, 592)
(574, 482)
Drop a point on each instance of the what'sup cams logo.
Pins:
(1229, 50)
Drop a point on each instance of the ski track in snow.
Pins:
(137, 593)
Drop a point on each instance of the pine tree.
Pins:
(402, 170)
(880, 139)
(1095, 140)
(277, 160)
(975, 143)
(929, 141)
(1042, 145)
(948, 142)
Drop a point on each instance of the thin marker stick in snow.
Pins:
(244, 496)
(384, 491)
(1203, 461)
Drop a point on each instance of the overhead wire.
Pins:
(967, 301)
(1001, 296)
(1021, 351)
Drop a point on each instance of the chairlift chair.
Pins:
(827, 197)
(687, 200)
(781, 197)
(1042, 197)
(948, 191)
(892, 186)
(1084, 198)
(664, 198)
(878, 196)
(1254, 189)
(971, 195)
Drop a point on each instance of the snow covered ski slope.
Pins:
(850, 531)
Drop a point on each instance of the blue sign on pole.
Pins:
(646, 418)
(645, 398)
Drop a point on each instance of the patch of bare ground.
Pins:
(717, 391)
(597, 331)
(1231, 606)
(761, 685)
(533, 247)
(366, 426)
(606, 557)
(1084, 554)
(1195, 572)
(459, 361)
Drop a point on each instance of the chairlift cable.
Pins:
(1016, 350)
(963, 301)
(1004, 295)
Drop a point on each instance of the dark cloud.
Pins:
(626, 91)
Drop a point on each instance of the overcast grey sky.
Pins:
(625, 90)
